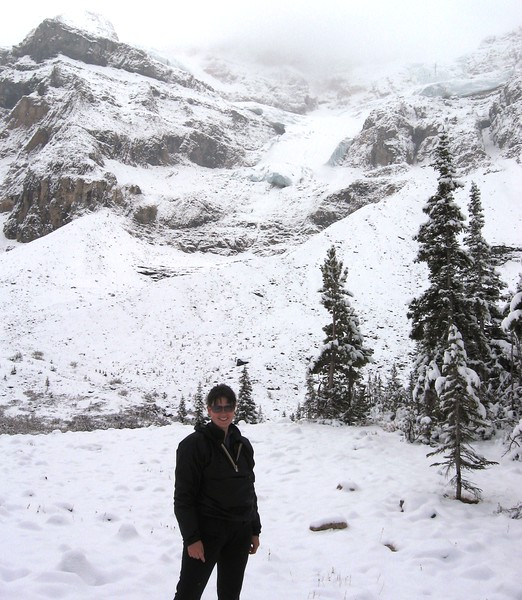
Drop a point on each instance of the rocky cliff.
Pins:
(72, 105)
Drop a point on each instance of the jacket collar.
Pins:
(218, 435)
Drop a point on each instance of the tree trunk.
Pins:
(331, 370)
(458, 460)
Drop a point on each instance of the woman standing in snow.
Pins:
(215, 502)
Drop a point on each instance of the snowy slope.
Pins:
(79, 297)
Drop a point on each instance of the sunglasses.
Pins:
(226, 408)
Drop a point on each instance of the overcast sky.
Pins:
(311, 29)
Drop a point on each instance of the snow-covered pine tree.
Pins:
(512, 325)
(485, 339)
(444, 301)
(344, 352)
(310, 403)
(361, 405)
(374, 392)
(246, 408)
(199, 406)
(181, 413)
(394, 393)
(461, 415)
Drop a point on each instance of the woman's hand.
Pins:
(197, 551)
(254, 545)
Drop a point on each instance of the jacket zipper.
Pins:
(234, 464)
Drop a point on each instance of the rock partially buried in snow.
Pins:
(347, 486)
(278, 180)
(329, 523)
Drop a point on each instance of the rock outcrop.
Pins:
(405, 133)
(506, 118)
(339, 205)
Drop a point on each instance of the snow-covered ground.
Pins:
(88, 516)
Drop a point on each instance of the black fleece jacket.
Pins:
(214, 481)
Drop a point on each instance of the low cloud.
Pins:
(360, 32)
(314, 33)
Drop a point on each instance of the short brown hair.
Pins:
(221, 391)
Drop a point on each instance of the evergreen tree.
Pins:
(444, 301)
(360, 406)
(374, 392)
(483, 287)
(406, 416)
(512, 324)
(246, 408)
(462, 413)
(344, 353)
(298, 415)
(199, 406)
(394, 393)
(181, 413)
(310, 409)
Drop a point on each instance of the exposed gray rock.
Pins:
(506, 118)
(146, 215)
(406, 133)
(278, 180)
(390, 136)
(44, 205)
(53, 37)
(361, 192)
(190, 212)
(327, 524)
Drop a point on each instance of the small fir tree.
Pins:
(344, 352)
(310, 403)
(246, 408)
(462, 414)
(360, 406)
(199, 406)
(394, 394)
(483, 287)
(181, 413)
(514, 442)
(512, 325)
(374, 392)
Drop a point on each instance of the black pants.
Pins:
(227, 544)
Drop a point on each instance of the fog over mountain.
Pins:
(315, 34)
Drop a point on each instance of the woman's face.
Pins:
(224, 418)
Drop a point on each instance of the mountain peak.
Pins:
(86, 39)
(89, 22)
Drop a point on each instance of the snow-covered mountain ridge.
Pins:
(231, 157)
(177, 216)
